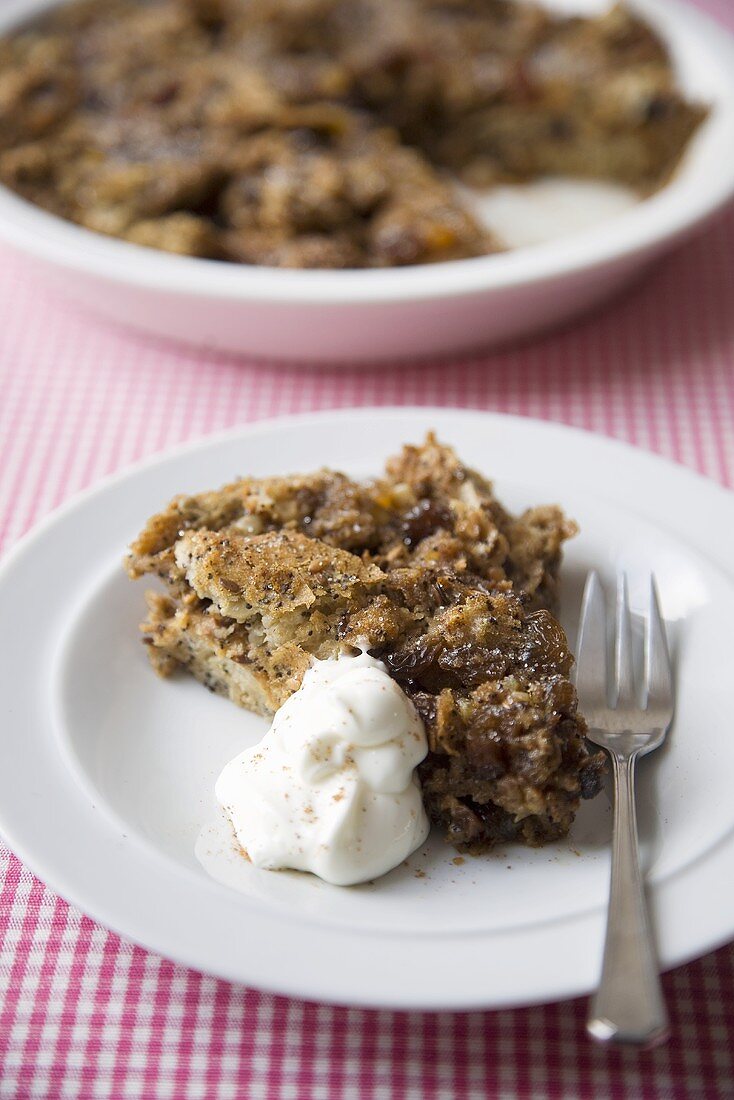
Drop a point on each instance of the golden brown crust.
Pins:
(428, 507)
(277, 574)
(326, 504)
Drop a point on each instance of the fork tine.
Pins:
(624, 681)
(591, 664)
(658, 673)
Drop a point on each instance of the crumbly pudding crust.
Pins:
(426, 569)
(325, 133)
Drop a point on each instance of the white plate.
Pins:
(425, 310)
(108, 771)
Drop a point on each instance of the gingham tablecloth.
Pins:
(85, 1014)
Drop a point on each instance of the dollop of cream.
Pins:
(332, 788)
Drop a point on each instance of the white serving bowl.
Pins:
(332, 316)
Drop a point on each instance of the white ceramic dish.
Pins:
(108, 772)
(374, 315)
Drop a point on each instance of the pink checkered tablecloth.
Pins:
(86, 1014)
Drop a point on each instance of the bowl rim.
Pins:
(672, 213)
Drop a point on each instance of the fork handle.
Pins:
(628, 1007)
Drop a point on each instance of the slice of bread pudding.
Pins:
(426, 570)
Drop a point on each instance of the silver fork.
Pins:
(628, 721)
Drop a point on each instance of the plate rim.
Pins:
(314, 418)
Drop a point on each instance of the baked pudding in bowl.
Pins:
(248, 161)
